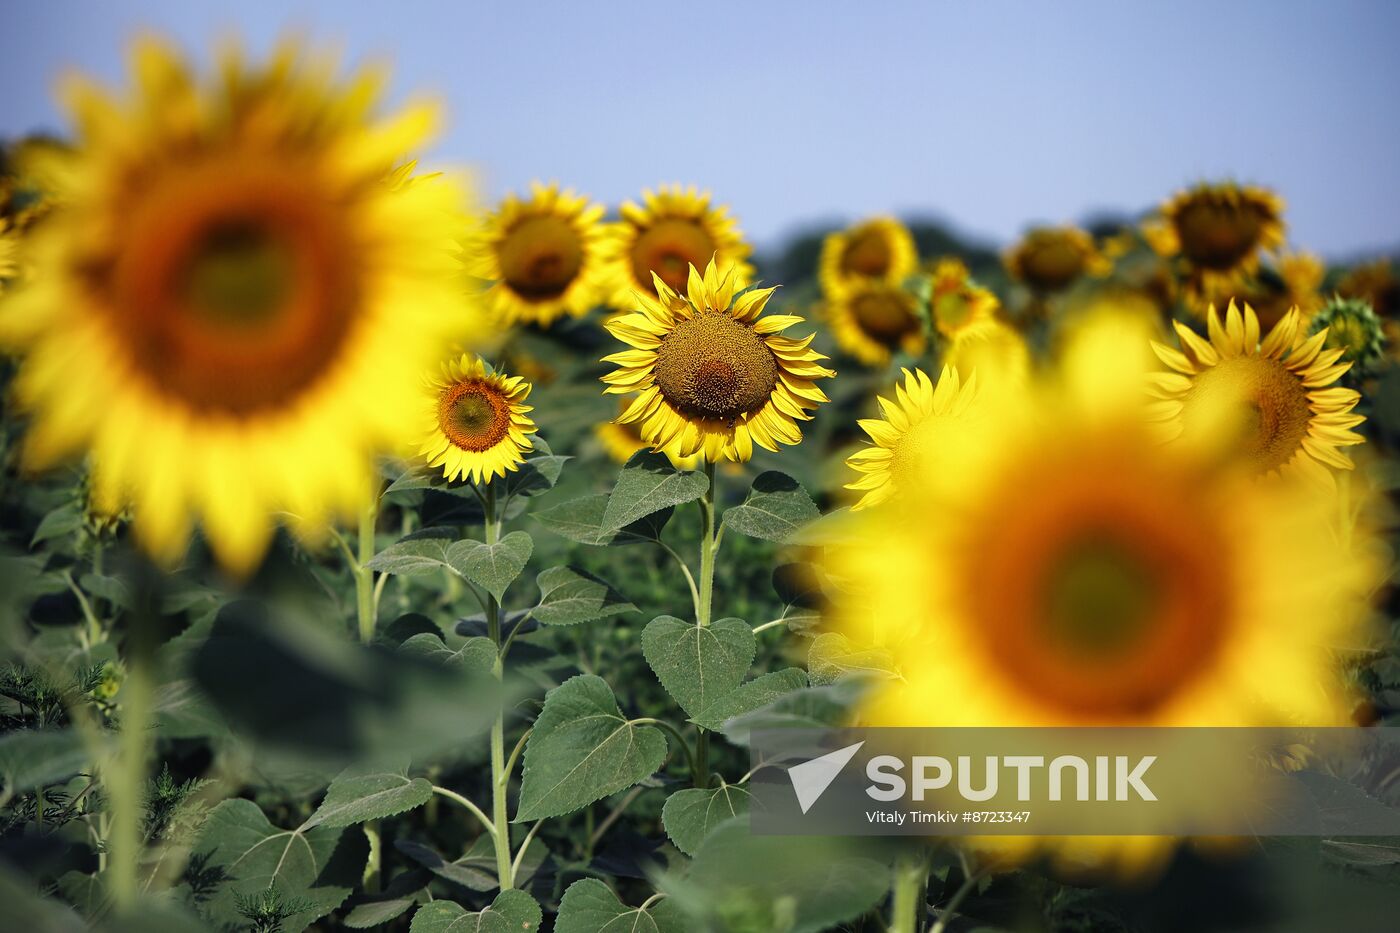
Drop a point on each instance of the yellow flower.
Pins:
(877, 250)
(906, 441)
(621, 440)
(711, 373)
(871, 320)
(1277, 394)
(9, 253)
(992, 351)
(475, 424)
(544, 255)
(234, 297)
(955, 301)
(1049, 259)
(1293, 280)
(1219, 228)
(673, 229)
(1067, 569)
(1375, 282)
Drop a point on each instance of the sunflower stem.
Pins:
(709, 545)
(910, 874)
(500, 776)
(364, 576)
(126, 774)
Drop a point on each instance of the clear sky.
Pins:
(991, 114)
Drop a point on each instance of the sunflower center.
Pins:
(669, 248)
(1100, 599)
(233, 288)
(474, 415)
(916, 454)
(1052, 264)
(1217, 236)
(884, 314)
(540, 257)
(712, 366)
(1275, 415)
(867, 253)
(1105, 594)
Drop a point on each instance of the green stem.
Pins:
(906, 915)
(364, 577)
(127, 775)
(500, 777)
(709, 544)
(463, 802)
(970, 880)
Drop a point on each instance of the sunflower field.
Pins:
(373, 556)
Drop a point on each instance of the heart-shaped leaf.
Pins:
(589, 906)
(690, 814)
(776, 508)
(582, 748)
(832, 655)
(569, 596)
(476, 654)
(360, 794)
(758, 692)
(492, 566)
(698, 666)
(648, 483)
(512, 911)
(421, 553)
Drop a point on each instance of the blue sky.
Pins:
(991, 114)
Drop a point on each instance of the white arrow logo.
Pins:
(811, 778)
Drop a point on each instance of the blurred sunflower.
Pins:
(9, 252)
(622, 439)
(673, 229)
(1067, 569)
(545, 256)
(871, 320)
(1292, 280)
(235, 296)
(1219, 228)
(877, 250)
(1048, 259)
(1375, 282)
(475, 424)
(955, 301)
(906, 440)
(711, 373)
(992, 351)
(1289, 417)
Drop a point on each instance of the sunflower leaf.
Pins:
(647, 484)
(698, 666)
(833, 655)
(689, 815)
(776, 508)
(569, 596)
(423, 552)
(748, 697)
(512, 911)
(590, 906)
(583, 749)
(538, 473)
(358, 795)
(492, 566)
(475, 654)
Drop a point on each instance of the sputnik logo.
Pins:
(811, 778)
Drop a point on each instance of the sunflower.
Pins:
(1219, 228)
(993, 351)
(1292, 280)
(621, 440)
(1049, 259)
(1069, 570)
(1375, 282)
(9, 251)
(231, 304)
(713, 375)
(673, 229)
(1291, 417)
(905, 442)
(957, 303)
(1352, 327)
(474, 422)
(544, 255)
(871, 320)
(877, 250)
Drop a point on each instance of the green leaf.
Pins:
(492, 566)
(689, 815)
(538, 473)
(475, 870)
(475, 654)
(758, 692)
(589, 906)
(62, 521)
(254, 855)
(648, 483)
(32, 758)
(512, 911)
(776, 508)
(373, 913)
(360, 794)
(833, 655)
(798, 884)
(581, 520)
(569, 596)
(421, 553)
(583, 749)
(698, 666)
